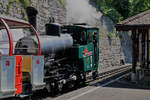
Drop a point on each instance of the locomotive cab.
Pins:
(85, 49)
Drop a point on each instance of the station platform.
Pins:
(120, 89)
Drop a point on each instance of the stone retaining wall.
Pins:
(46, 9)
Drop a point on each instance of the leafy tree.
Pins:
(122, 6)
(139, 6)
(118, 10)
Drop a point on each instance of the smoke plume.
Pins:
(80, 11)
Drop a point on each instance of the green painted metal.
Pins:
(86, 52)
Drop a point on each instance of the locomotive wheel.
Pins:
(95, 75)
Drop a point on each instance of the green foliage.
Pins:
(119, 10)
(24, 15)
(12, 1)
(112, 13)
(113, 35)
(107, 8)
(139, 6)
(24, 3)
(8, 7)
(101, 32)
(63, 3)
(110, 36)
(122, 6)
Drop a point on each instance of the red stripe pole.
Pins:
(36, 33)
(9, 36)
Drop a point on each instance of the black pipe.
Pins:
(32, 16)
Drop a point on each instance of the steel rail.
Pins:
(111, 73)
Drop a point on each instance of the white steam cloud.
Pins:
(80, 11)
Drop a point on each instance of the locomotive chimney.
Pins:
(32, 16)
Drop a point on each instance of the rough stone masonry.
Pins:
(46, 9)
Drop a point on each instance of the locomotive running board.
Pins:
(38, 86)
(23, 95)
(8, 93)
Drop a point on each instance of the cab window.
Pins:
(82, 37)
(90, 37)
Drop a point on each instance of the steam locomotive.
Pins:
(70, 52)
(62, 58)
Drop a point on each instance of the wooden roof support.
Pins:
(148, 49)
(134, 50)
(144, 32)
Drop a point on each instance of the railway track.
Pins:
(111, 74)
(115, 71)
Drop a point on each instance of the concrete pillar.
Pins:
(134, 55)
(133, 77)
(148, 49)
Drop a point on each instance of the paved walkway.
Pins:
(118, 90)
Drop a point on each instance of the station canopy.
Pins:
(13, 22)
(141, 20)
